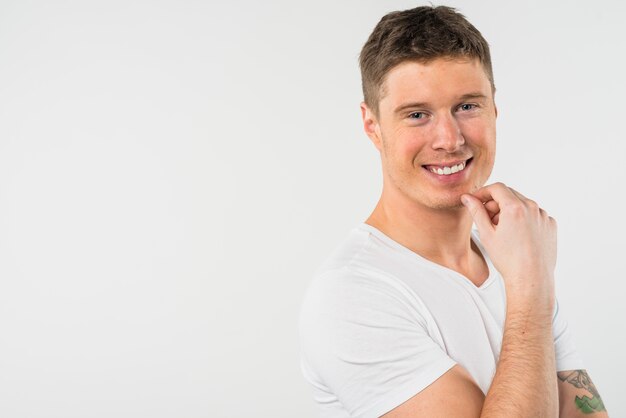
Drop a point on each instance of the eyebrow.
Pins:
(402, 107)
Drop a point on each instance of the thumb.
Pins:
(479, 213)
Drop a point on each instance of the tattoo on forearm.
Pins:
(581, 379)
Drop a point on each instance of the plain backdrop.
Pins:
(172, 173)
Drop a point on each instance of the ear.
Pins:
(371, 126)
(496, 108)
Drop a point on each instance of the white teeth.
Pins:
(446, 171)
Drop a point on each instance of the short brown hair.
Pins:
(421, 34)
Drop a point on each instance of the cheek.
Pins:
(480, 133)
(489, 144)
(411, 142)
(402, 147)
(475, 126)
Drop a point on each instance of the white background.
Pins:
(172, 172)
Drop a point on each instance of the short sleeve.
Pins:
(567, 355)
(364, 339)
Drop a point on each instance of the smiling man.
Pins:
(416, 314)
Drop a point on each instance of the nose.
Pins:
(447, 134)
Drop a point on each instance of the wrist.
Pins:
(531, 290)
(536, 306)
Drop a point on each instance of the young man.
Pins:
(417, 314)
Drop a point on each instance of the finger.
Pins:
(499, 192)
(492, 208)
(479, 213)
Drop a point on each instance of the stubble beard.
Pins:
(449, 202)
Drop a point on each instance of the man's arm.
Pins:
(578, 396)
(525, 384)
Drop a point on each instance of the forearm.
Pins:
(525, 383)
(579, 396)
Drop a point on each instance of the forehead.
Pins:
(438, 80)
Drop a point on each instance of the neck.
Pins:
(440, 235)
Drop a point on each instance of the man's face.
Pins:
(435, 116)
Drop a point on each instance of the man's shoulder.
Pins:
(355, 291)
(360, 251)
(345, 252)
(348, 279)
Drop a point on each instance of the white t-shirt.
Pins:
(379, 323)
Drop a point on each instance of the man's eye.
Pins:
(467, 106)
(417, 115)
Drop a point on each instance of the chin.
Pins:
(451, 206)
(446, 204)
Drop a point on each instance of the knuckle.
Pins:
(516, 209)
(533, 205)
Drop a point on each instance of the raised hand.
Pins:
(521, 240)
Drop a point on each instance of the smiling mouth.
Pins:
(449, 168)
